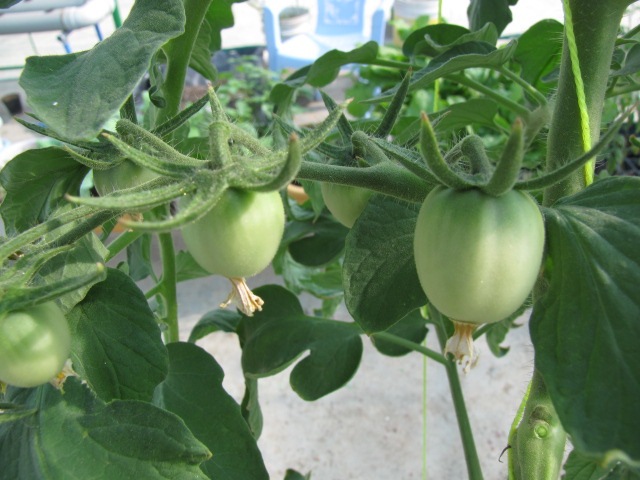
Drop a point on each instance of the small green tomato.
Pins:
(345, 203)
(34, 344)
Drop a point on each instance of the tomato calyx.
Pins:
(246, 301)
(460, 345)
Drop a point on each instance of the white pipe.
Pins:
(35, 5)
(69, 18)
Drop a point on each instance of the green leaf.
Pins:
(586, 325)
(379, 274)
(412, 327)
(460, 57)
(187, 268)
(73, 434)
(326, 68)
(76, 94)
(75, 262)
(219, 320)
(579, 467)
(434, 40)
(250, 407)
(139, 258)
(281, 333)
(8, 3)
(116, 345)
(476, 111)
(318, 243)
(36, 182)
(538, 52)
(631, 62)
(193, 390)
(481, 12)
(293, 475)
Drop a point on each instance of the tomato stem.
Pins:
(464, 425)
(416, 347)
(168, 286)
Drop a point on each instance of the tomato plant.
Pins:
(344, 202)
(239, 236)
(34, 344)
(448, 237)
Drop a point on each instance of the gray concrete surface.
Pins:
(373, 428)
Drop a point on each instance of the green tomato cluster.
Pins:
(35, 343)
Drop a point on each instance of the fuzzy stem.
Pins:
(595, 26)
(582, 101)
(384, 178)
(122, 242)
(470, 453)
(169, 290)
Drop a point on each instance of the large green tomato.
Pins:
(239, 236)
(478, 256)
(346, 203)
(125, 175)
(34, 345)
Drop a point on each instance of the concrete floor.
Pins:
(373, 428)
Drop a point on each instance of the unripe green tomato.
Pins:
(34, 344)
(239, 236)
(123, 176)
(478, 256)
(345, 203)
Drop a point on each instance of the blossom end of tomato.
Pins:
(460, 345)
(246, 301)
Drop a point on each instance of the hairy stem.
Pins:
(169, 290)
(464, 425)
(416, 347)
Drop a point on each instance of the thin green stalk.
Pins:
(468, 444)
(492, 94)
(527, 87)
(416, 347)
(122, 242)
(178, 52)
(424, 414)
(169, 290)
(384, 178)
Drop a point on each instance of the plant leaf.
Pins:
(281, 332)
(73, 434)
(586, 325)
(116, 346)
(412, 327)
(538, 52)
(481, 12)
(379, 274)
(193, 390)
(579, 467)
(434, 40)
(36, 182)
(76, 94)
(460, 57)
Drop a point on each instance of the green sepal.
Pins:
(395, 107)
(219, 115)
(288, 170)
(472, 147)
(409, 159)
(506, 173)
(150, 194)
(155, 164)
(340, 153)
(209, 188)
(316, 136)
(92, 163)
(434, 159)
(344, 127)
(245, 139)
